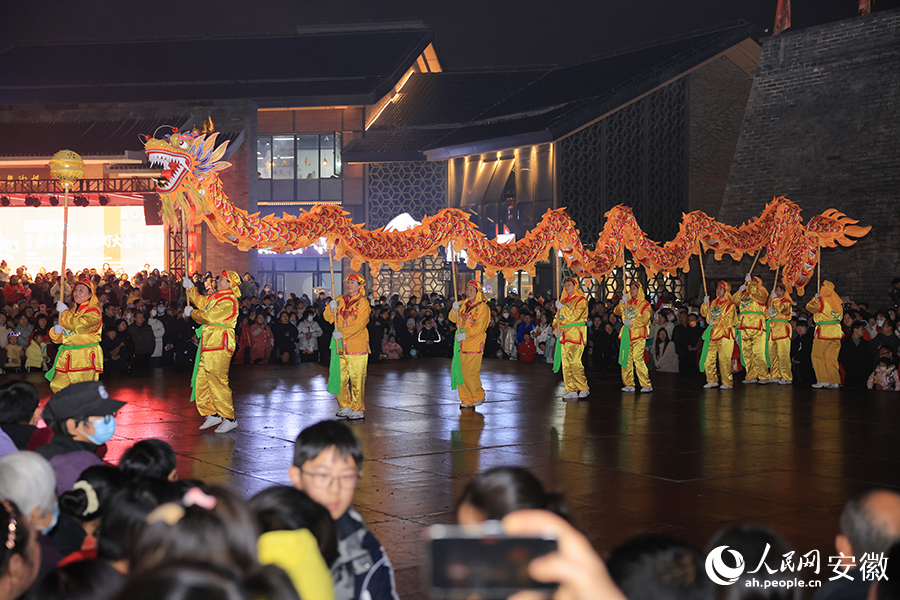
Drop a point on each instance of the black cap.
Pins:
(83, 399)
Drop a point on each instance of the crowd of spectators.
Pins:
(144, 327)
(75, 527)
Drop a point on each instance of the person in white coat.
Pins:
(308, 340)
(159, 330)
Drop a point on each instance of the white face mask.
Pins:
(309, 318)
(879, 322)
(505, 315)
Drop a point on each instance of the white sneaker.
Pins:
(343, 412)
(570, 396)
(711, 384)
(478, 402)
(750, 380)
(212, 421)
(785, 382)
(834, 386)
(726, 387)
(226, 426)
(767, 381)
(465, 406)
(820, 384)
(628, 388)
(584, 393)
(646, 388)
(356, 414)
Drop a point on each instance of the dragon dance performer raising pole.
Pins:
(571, 338)
(718, 339)
(217, 315)
(827, 310)
(779, 328)
(78, 334)
(350, 315)
(472, 319)
(751, 301)
(636, 314)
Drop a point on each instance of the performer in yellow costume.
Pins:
(636, 314)
(472, 319)
(751, 302)
(217, 315)
(721, 316)
(571, 335)
(78, 333)
(827, 310)
(350, 315)
(779, 328)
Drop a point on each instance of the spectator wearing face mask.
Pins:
(309, 332)
(82, 416)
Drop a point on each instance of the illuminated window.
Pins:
(295, 167)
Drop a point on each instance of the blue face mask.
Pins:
(53, 521)
(104, 428)
(412, 352)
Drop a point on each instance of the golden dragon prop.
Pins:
(191, 162)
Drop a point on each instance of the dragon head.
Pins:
(185, 157)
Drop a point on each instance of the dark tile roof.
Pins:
(467, 112)
(87, 138)
(360, 62)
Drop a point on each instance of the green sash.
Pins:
(197, 358)
(707, 338)
(335, 381)
(557, 349)
(828, 323)
(625, 346)
(456, 374)
(52, 372)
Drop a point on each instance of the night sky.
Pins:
(470, 33)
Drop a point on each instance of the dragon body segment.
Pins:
(190, 182)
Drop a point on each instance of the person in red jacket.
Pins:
(527, 349)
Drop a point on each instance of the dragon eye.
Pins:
(183, 145)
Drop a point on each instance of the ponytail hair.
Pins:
(502, 490)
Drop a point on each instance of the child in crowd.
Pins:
(327, 462)
(526, 349)
(884, 377)
(392, 350)
(14, 353)
(149, 459)
(36, 354)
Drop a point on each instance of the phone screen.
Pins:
(490, 566)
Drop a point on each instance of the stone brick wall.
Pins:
(822, 127)
(717, 96)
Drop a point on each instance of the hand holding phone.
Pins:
(483, 561)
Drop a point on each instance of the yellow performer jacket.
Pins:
(220, 308)
(780, 327)
(750, 302)
(474, 317)
(84, 325)
(828, 308)
(352, 320)
(721, 313)
(574, 310)
(640, 313)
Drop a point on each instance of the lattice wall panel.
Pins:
(614, 284)
(418, 188)
(638, 157)
(421, 276)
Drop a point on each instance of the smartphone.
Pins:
(482, 562)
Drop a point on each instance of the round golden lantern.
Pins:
(67, 166)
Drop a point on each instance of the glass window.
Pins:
(338, 144)
(264, 158)
(326, 155)
(307, 157)
(283, 157)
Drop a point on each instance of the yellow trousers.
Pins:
(74, 366)
(353, 386)
(780, 358)
(636, 363)
(825, 360)
(572, 368)
(61, 380)
(470, 391)
(213, 394)
(753, 351)
(720, 350)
